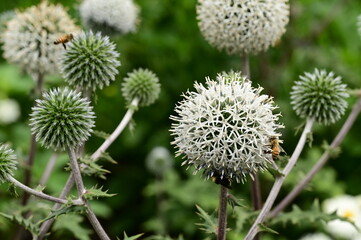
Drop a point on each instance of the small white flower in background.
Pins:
(159, 160)
(224, 127)
(9, 111)
(347, 207)
(239, 26)
(315, 236)
(111, 16)
(359, 24)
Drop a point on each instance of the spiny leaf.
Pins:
(233, 201)
(95, 192)
(64, 210)
(101, 134)
(264, 228)
(105, 156)
(91, 168)
(133, 237)
(25, 222)
(210, 222)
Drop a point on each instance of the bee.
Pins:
(276, 148)
(64, 39)
(224, 181)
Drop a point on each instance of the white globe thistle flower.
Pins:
(320, 95)
(224, 128)
(159, 160)
(30, 35)
(111, 16)
(347, 207)
(315, 236)
(9, 111)
(242, 26)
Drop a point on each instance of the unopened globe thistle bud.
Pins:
(319, 95)
(224, 128)
(7, 162)
(30, 35)
(90, 61)
(159, 160)
(143, 85)
(110, 17)
(62, 119)
(242, 27)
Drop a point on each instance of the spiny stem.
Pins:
(321, 162)
(222, 214)
(279, 181)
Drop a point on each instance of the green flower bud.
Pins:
(7, 162)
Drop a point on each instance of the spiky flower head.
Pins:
(62, 119)
(90, 61)
(4, 18)
(142, 84)
(159, 160)
(224, 128)
(30, 35)
(7, 162)
(242, 26)
(112, 17)
(320, 95)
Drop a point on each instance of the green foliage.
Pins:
(95, 192)
(27, 223)
(72, 223)
(209, 224)
(66, 209)
(92, 168)
(101, 134)
(133, 237)
(164, 238)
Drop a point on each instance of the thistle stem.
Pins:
(279, 181)
(29, 168)
(222, 214)
(321, 162)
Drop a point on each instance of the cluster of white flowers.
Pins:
(242, 26)
(110, 16)
(30, 35)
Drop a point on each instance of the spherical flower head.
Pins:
(315, 236)
(347, 207)
(7, 162)
(30, 35)
(90, 61)
(242, 26)
(224, 128)
(143, 85)
(112, 17)
(319, 95)
(159, 160)
(4, 18)
(62, 119)
(9, 111)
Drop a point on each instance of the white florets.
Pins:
(224, 128)
(242, 26)
(110, 16)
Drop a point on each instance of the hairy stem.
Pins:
(222, 214)
(321, 162)
(279, 181)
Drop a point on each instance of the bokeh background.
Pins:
(320, 34)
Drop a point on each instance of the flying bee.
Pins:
(276, 148)
(218, 179)
(64, 39)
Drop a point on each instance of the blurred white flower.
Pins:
(9, 111)
(110, 16)
(315, 236)
(159, 160)
(347, 207)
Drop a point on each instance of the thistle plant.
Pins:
(62, 119)
(141, 84)
(112, 17)
(320, 95)
(242, 27)
(8, 163)
(90, 62)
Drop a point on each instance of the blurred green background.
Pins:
(320, 34)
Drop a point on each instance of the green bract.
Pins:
(62, 119)
(319, 95)
(90, 61)
(142, 84)
(7, 162)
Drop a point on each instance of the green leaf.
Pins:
(95, 192)
(92, 168)
(66, 209)
(264, 228)
(275, 172)
(210, 223)
(105, 156)
(234, 202)
(32, 227)
(159, 237)
(72, 223)
(133, 237)
(101, 134)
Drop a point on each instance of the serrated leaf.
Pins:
(133, 237)
(264, 228)
(105, 156)
(101, 134)
(91, 168)
(95, 192)
(32, 227)
(234, 202)
(210, 223)
(72, 223)
(66, 209)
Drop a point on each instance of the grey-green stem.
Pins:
(321, 162)
(279, 181)
(222, 214)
